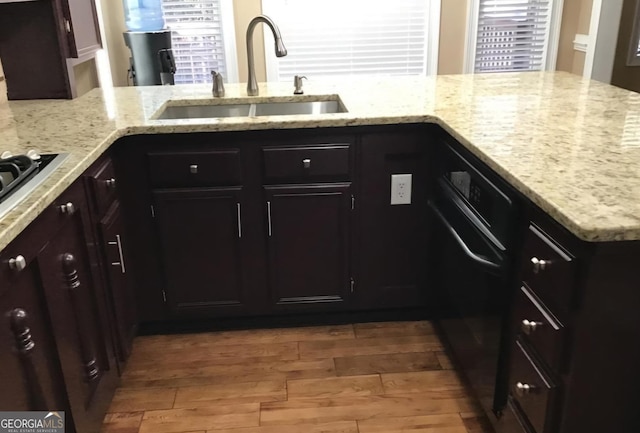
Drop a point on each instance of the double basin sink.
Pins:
(197, 109)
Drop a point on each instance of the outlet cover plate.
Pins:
(401, 189)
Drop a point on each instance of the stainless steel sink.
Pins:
(266, 108)
(204, 111)
(290, 108)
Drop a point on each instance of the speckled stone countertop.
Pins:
(570, 145)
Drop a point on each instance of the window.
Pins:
(327, 38)
(201, 40)
(513, 35)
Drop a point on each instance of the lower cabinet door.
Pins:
(119, 290)
(76, 307)
(309, 242)
(30, 372)
(202, 245)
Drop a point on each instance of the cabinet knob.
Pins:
(539, 265)
(306, 163)
(110, 183)
(528, 326)
(193, 168)
(523, 389)
(67, 208)
(17, 263)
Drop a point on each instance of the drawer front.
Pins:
(513, 420)
(549, 271)
(532, 389)
(103, 187)
(211, 168)
(540, 328)
(306, 163)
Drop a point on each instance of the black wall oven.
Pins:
(473, 220)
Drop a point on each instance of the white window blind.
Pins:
(512, 35)
(198, 39)
(348, 37)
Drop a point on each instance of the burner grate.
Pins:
(14, 171)
(20, 175)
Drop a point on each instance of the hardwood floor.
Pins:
(363, 378)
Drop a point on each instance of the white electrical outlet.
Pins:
(401, 189)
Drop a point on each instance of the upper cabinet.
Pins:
(83, 30)
(42, 41)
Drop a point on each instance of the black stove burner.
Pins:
(16, 170)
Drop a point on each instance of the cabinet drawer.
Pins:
(513, 420)
(532, 388)
(540, 327)
(548, 270)
(210, 168)
(103, 187)
(306, 163)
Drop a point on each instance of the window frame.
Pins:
(432, 40)
(553, 36)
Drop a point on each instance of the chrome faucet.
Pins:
(281, 51)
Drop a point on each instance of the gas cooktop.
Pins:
(21, 174)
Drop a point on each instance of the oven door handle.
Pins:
(473, 256)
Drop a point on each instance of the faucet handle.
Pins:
(297, 83)
(218, 84)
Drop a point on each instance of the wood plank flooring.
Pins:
(363, 378)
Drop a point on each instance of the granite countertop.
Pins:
(570, 145)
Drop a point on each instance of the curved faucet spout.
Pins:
(281, 51)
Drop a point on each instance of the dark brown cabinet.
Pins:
(393, 244)
(277, 222)
(77, 309)
(42, 41)
(202, 243)
(58, 351)
(113, 242)
(309, 222)
(30, 366)
(112, 248)
(309, 248)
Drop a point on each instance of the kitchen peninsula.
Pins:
(567, 149)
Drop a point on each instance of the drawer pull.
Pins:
(118, 243)
(193, 168)
(110, 183)
(523, 389)
(539, 265)
(67, 209)
(18, 263)
(239, 221)
(306, 163)
(269, 217)
(529, 326)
